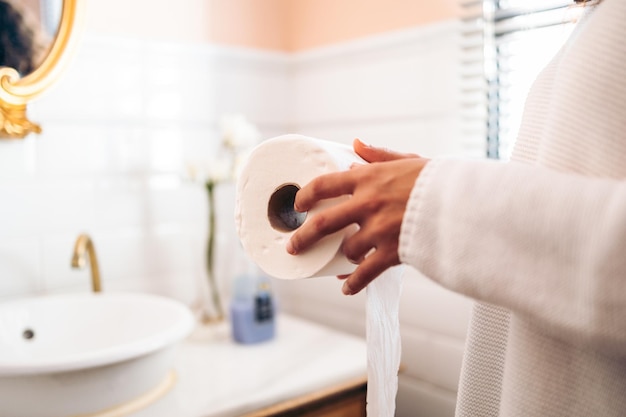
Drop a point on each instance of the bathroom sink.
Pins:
(77, 354)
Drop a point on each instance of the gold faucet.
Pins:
(82, 249)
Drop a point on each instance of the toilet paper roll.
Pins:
(266, 219)
(264, 213)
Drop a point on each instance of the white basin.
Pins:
(80, 354)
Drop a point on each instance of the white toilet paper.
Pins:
(383, 342)
(266, 220)
(264, 212)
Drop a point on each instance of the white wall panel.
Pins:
(20, 208)
(20, 266)
(421, 399)
(426, 135)
(404, 74)
(431, 357)
(119, 130)
(18, 159)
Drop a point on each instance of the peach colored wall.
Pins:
(283, 25)
(322, 22)
(294, 25)
(167, 20)
(251, 23)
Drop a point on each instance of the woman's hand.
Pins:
(380, 191)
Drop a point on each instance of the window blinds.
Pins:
(505, 45)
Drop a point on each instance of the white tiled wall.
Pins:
(128, 114)
(119, 129)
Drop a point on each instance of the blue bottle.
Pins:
(252, 310)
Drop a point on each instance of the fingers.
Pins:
(325, 223)
(372, 154)
(323, 187)
(378, 194)
(371, 267)
(356, 247)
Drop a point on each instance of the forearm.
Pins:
(541, 243)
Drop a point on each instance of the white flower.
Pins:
(238, 137)
(219, 170)
(237, 132)
(215, 170)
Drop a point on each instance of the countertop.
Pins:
(220, 378)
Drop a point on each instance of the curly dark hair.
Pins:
(18, 45)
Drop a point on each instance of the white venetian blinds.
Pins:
(505, 44)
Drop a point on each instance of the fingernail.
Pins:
(367, 145)
(346, 289)
(290, 249)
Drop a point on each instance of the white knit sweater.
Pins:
(540, 241)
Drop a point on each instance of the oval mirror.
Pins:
(36, 38)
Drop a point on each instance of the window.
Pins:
(506, 43)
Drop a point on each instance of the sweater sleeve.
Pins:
(547, 245)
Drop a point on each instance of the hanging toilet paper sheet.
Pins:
(383, 342)
(266, 219)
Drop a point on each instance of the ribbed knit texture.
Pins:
(540, 241)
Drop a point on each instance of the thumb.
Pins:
(372, 154)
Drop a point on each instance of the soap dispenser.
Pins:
(252, 309)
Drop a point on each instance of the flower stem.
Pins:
(215, 295)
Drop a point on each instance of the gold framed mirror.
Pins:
(17, 89)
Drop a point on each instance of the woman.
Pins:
(539, 242)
